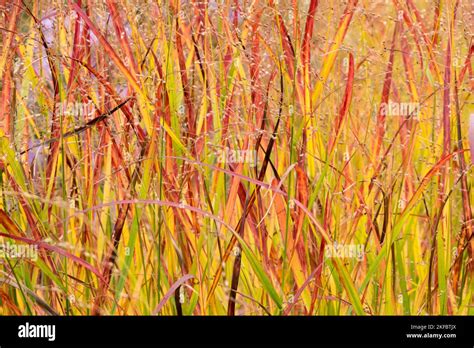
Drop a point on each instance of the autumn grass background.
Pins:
(115, 115)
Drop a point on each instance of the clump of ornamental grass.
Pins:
(236, 157)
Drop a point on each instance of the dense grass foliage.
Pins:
(236, 157)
